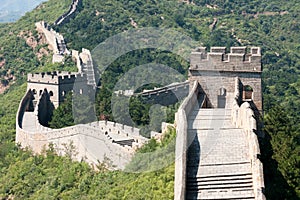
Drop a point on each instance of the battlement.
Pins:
(238, 59)
(55, 77)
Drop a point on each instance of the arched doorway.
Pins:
(222, 98)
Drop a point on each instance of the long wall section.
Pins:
(182, 138)
(91, 142)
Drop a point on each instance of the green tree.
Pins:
(63, 115)
(284, 150)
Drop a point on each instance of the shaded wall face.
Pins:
(63, 90)
(26, 106)
(213, 82)
(45, 109)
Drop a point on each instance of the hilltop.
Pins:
(273, 25)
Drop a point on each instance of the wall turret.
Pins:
(216, 71)
(58, 84)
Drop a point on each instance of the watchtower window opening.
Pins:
(222, 98)
(247, 93)
(34, 91)
(41, 92)
(63, 93)
(51, 94)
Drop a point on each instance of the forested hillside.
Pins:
(272, 24)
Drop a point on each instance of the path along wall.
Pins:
(92, 142)
(181, 118)
(70, 14)
(242, 116)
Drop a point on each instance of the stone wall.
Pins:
(92, 142)
(120, 129)
(242, 116)
(167, 95)
(55, 40)
(182, 140)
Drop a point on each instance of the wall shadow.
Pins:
(193, 162)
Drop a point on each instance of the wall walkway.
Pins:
(92, 142)
(66, 16)
(216, 151)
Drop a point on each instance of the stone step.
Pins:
(210, 159)
(225, 186)
(210, 112)
(209, 124)
(221, 194)
(218, 164)
(208, 117)
(222, 169)
(194, 182)
(220, 186)
(218, 143)
(223, 177)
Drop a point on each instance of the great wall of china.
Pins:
(92, 142)
(217, 124)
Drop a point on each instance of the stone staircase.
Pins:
(218, 162)
(88, 68)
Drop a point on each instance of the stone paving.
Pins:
(218, 165)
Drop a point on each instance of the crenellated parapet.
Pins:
(55, 77)
(239, 59)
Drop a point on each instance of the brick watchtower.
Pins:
(216, 71)
(58, 84)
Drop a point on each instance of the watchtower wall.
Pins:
(216, 71)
